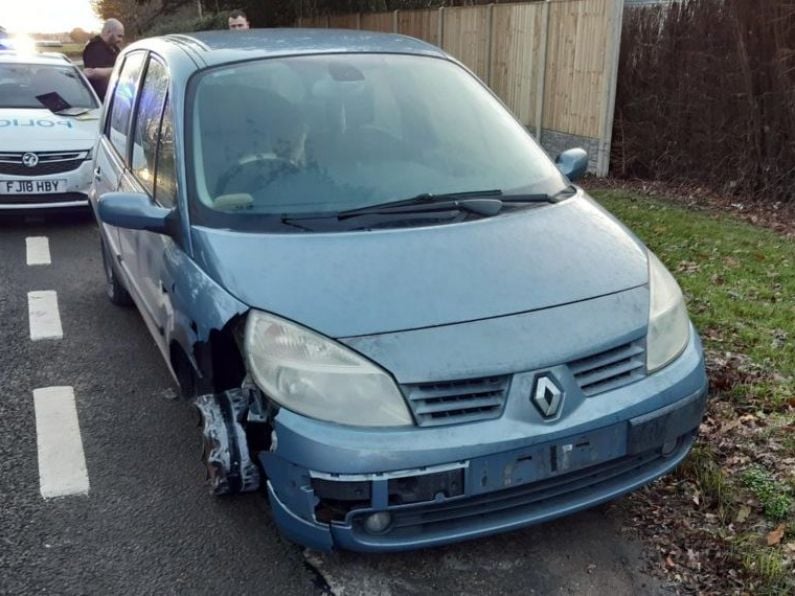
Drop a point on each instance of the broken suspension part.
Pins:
(225, 447)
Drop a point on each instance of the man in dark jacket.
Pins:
(100, 53)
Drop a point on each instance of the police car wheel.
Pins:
(116, 292)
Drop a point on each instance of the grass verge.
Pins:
(725, 522)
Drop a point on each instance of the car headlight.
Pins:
(315, 376)
(669, 327)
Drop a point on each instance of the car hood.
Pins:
(41, 130)
(370, 282)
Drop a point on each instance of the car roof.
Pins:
(219, 47)
(52, 58)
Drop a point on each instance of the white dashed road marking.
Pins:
(62, 463)
(45, 321)
(38, 250)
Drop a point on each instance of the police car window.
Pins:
(147, 123)
(21, 83)
(166, 183)
(123, 101)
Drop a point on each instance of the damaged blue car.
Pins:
(396, 315)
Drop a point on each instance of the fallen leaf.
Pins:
(774, 537)
(692, 560)
(790, 547)
(743, 514)
(669, 562)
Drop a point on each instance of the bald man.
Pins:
(100, 53)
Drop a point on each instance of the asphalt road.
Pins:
(148, 525)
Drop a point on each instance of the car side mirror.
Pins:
(134, 211)
(573, 163)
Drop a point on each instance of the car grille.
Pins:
(610, 369)
(520, 500)
(451, 402)
(50, 162)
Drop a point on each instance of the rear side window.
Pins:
(147, 124)
(123, 101)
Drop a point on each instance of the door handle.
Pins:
(97, 173)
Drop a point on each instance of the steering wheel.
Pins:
(276, 164)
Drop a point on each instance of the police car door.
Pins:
(113, 151)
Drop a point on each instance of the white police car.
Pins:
(48, 126)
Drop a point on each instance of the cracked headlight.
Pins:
(317, 377)
(669, 327)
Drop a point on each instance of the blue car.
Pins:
(394, 312)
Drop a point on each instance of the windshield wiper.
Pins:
(484, 202)
(520, 199)
(478, 201)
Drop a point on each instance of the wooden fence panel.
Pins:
(517, 37)
(466, 34)
(316, 22)
(553, 62)
(378, 21)
(344, 21)
(577, 64)
(423, 24)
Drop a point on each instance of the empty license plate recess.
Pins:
(538, 462)
(32, 187)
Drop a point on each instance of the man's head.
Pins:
(238, 20)
(112, 32)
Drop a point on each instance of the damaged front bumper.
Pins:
(331, 486)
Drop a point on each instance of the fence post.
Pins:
(395, 21)
(440, 25)
(489, 50)
(542, 75)
(609, 92)
(358, 20)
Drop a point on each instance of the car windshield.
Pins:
(21, 83)
(322, 134)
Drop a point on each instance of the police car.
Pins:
(48, 127)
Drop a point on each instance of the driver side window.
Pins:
(166, 181)
(152, 96)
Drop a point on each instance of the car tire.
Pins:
(115, 290)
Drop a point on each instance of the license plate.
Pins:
(31, 187)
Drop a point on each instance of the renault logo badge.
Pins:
(547, 395)
(30, 160)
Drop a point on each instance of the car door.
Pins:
(112, 149)
(152, 172)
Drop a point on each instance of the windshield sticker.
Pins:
(4, 123)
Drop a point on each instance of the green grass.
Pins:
(774, 496)
(767, 564)
(703, 468)
(739, 283)
(738, 279)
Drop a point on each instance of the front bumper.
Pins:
(75, 195)
(466, 481)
